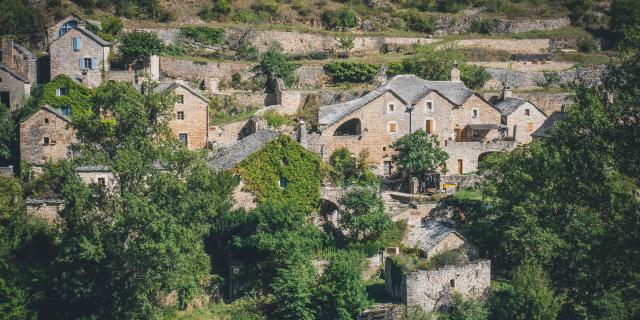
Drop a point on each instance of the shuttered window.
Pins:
(77, 45)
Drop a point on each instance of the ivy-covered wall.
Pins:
(78, 97)
(283, 158)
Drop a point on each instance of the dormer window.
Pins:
(475, 112)
(391, 107)
(429, 105)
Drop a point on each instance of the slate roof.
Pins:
(508, 105)
(24, 51)
(52, 110)
(13, 73)
(430, 233)
(174, 84)
(230, 156)
(90, 35)
(549, 123)
(94, 168)
(408, 88)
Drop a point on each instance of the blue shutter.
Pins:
(93, 63)
(76, 44)
(81, 63)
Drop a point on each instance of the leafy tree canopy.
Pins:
(140, 45)
(418, 153)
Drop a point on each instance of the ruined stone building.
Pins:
(80, 54)
(467, 126)
(521, 117)
(190, 123)
(431, 284)
(45, 136)
(17, 74)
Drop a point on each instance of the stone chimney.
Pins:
(455, 73)
(506, 92)
(7, 51)
(302, 133)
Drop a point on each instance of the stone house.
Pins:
(404, 104)
(191, 114)
(99, 175)
(553, 120)
(433, 236)
(18, 74)
(520, 116)
(81, 55)
(44, 208)
(45, 136)
(271, 166)
(63, 26)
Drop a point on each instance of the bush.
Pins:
(343, 18)
(587, 45)
(269, 7)
(219, 10)
(273, 64)
(420, 23)
(276, 120)
(174, 50)
(474, 76)
(204, 35)
(447, 258)
(245, 51)
(137, 46)
(351, 72)
(484, 26)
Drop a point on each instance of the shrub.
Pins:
(342, 18)
(273, 64)
(204, 35)
(270, 7)
(474, 76)
(420, 23)
(484, 26)
(351, 72)
(219, 10)
(587, 45)
(140, 45)
(276, 120)
(174, 50)
(447, 258)
(244, 16)
(245, 51)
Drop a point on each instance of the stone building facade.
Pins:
(99, 175)
(45, 136)
(81, 55)
(190, 123)
(63, 26)
(447, 109)
(17, 74)
(433, 289)
(46, 209)
(521, 117)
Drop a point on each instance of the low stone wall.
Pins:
(47, 209)
(469, 152)
(510, 45)
(589, 75)
(6, 171)
(456, 24)
(527, 66)
(187, 69)
(433, 289)
(547, 102)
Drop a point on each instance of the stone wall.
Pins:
(17, 89)
(47, 209)
(469, 152)
(195, 122)
(92, 175)
(187, 69)
(432, 289)
(590, 75)
(462, 24)
(511, 45)
(547, 102)
(6, 171)
(526, 66)
(64, 60)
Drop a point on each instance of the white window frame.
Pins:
(84, 63)
(475, 113)
(389, 105)
(432, 103)
(389, 123)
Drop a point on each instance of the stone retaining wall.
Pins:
(589, 75)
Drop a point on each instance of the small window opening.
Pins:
(393, 127)
(526, 112)
(430, 105)
(283, 182)
(391, 107)
(46, 141)
(180, 115)
(475, 112)
(102, 182)
(384, 148)
(452, 283)
(530, 126)
(46, 120)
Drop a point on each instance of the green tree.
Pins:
(292, 289)
(354, 72)
(341, 292)
(418, 153)
(466, 309)
(625, 18)
(338, 19)
(61, 92)
(348, 170)
(362, 215)
(8, 137)
(111, 25)
(530, 296)
(273, 64)
(345, 43)
(140, 45)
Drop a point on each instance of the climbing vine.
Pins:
(64, 92)
(283, 171)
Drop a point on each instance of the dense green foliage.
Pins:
(283, 160)
(461, 309)
(218, 11)
(418, 153)
(204, 35)
(347, 170)
(274, 64)
(139, 45)
(8, 128)
(339, 19)
(625, 18)
(362, 214)
(351, 72)
(340, 293)
(64, 92)
(420, 23)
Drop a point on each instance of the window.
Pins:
(384, 148)
(46, 141)
(62, 92)
(391, 107)
(429, 126)
(180, 98)
(65, 111)
(387, 167)
(475, 112)
(183, 137)
(46, 120)
(75, 43)
(102, 182)
(180, 115)
(0, 80)
(526, 112)
(66, 27)
(283, 182)
(392, 127)
(529, 126)
(452, 283)
(429, 105)
(86, 63)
